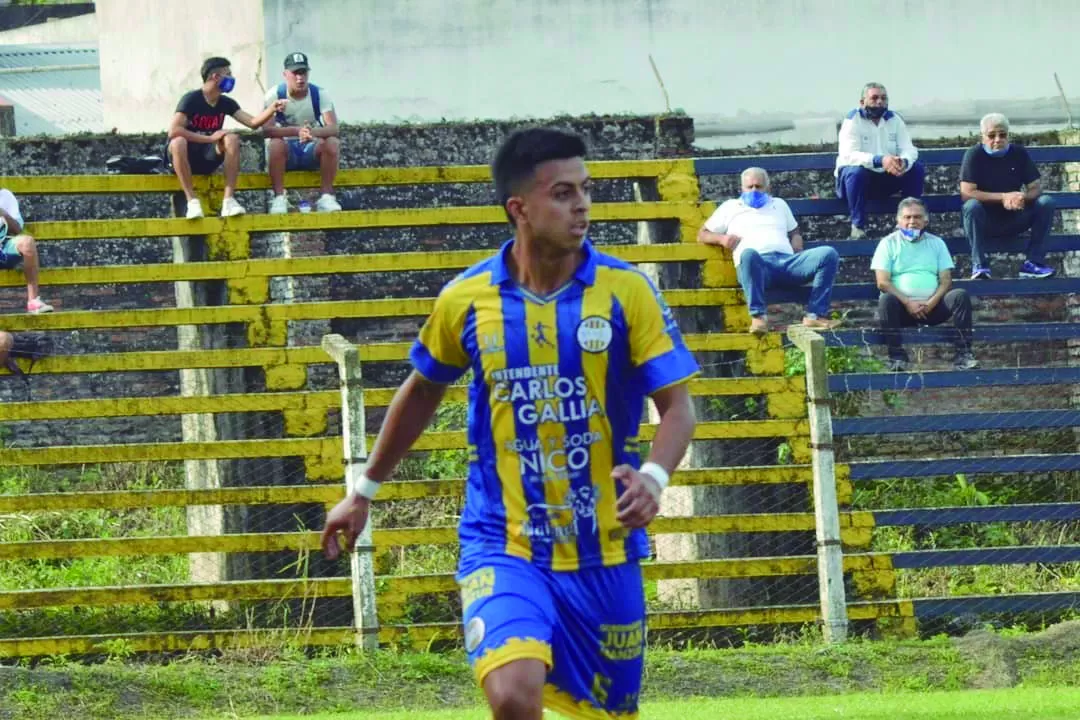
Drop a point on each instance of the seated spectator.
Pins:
(18, 248)
(914, 274)
(304, 136)
(764, 240)
(198, 144)
(1003, 197)
(876, 157)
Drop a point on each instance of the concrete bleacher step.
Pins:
(1007, 287)
(936, 467)
(953, 422)
(851, 382)
(957, 245)
(943, 334)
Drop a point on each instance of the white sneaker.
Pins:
(280, 205)
(327, 203)
(229, 207)
(194, 209)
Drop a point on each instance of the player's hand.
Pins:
(347, 517)
(893, 165)
(731, 241)
(1013, 201)
(305, 134)
(218, 136)
(640, 499)
(279, 105)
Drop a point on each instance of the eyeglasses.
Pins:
(1002, 134)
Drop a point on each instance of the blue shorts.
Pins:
(587, 626)
(301, 155)
(9, 257)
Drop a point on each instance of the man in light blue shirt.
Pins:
(913, 269)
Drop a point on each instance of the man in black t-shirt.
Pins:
(1003, 197)
(198, 142)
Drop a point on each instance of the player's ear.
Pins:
(515, 206)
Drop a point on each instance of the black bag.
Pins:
(131, 165)
(32, 346)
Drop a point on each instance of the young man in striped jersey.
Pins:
(564, 344)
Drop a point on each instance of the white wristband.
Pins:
(366, 487)
(657, 473)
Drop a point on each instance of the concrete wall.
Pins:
(782, 70)
(81, 29)
(151, 53)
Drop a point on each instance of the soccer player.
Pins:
(564, 344)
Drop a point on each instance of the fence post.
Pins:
(354, 444)
(826, 508)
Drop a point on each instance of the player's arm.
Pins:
(410, 411)
(257, 121)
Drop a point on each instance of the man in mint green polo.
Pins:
(913, 269)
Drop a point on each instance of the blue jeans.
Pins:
(984, 224)
(759, 272)
(856, 184)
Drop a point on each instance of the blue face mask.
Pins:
(996, 153)
(755, 198)
(226, 84)
(875, 112)
(910, 234)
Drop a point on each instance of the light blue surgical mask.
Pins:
(226, 84)
(755, 198)
(911, 234)
(996, 153)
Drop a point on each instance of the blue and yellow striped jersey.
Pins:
(556, 397)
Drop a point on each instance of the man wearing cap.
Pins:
(304, 136)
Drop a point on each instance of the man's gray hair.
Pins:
(871, 86)
(760, 172)
(908, 202)
(993, 120)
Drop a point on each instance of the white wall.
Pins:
(731, 64)
(79, 29)
(151, 52)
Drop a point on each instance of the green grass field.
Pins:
(1027, 703)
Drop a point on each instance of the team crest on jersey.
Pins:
(594, 334)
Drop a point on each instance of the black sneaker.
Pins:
(965, 361)
(897, 364)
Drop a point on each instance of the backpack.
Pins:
(283, 93)
(131, 165)
(33, 346)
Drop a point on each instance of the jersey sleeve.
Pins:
(438, 353)
(657, 351)
(270, 97)
(789, 218)
(183, 105)
(1029, 172)
(944, 258)
(326, 103)
(967, 166)
(229, 106)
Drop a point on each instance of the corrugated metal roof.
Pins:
(52, 102)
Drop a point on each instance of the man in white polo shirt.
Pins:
(764, 240)
(913, 269)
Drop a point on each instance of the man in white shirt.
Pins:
(19, 248)
(765, 243)
(304, 136)
(876, 157)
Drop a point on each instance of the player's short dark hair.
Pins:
(211, 64)
(517, 158)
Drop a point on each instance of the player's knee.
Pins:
(332, 146)
(26, 245)
(278, 147)
(516, 690)
(232, 142)
(7, 341)
(178, 145)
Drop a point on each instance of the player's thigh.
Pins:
(598, 651)
(507, 613)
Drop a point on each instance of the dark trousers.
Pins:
(893, 315)
(992, 225)
(856, 184)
